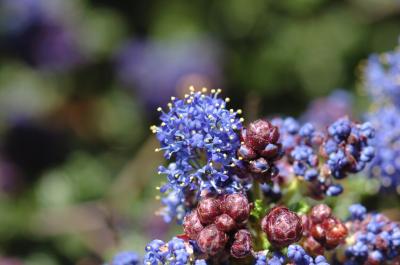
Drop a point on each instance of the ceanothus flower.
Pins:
(373, 237)
(386, 164)
(174, 252)
(200, 138)
(381, 76)
(295, 255)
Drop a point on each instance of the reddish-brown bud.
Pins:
(246, 153)
(329, 223)
(242, 244)
(282, 226)
(320, 212)
(259, 134)
(208, 209)
(237, 206)
(336, 235)
(192, 225)
(318, 232)
(313, 247)
(306, 223)
(211, 240)
(225, 223)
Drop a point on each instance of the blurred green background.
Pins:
(80, 81)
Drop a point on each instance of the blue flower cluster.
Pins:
(174, 252)
(125, 258)
(200, 138)
(386, 164)
(381, 77)
(295, 254)
(349, 148)
(376, 238)
(317, 155)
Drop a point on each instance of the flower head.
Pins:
(200, 138)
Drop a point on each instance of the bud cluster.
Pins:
(376, 239)
(282, 226)
(321, 157)
(258, 150)
(218, 224)
(323, 231)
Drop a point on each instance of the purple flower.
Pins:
(381, 77)
(200, 138)
(386, 164)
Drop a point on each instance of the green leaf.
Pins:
(300, 207)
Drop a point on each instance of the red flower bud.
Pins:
(208, 209)
(211, 240)
(225, 223)
(336, 235)
(242, 244)
(237, 206)
(318, 232)
(313, 247)
(320, 212)
(282, 226)
(259, 134)
(192, 225)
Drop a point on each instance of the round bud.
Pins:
(242, 244)
(192, 225)
(246, 153)
(313, 247)
(318, 232)
(225, 223)
(261, 133)
(237, 206)
(328, 223)
(282, 226)
(320, 212)
(208, 209)
(211, 240)
(336, 235)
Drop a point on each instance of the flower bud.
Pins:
(242, 244)
(320, 212)
(313, 247)
(282, 226)
(225, 223)
(259, 134)
(246, 153)
(336, 235)
(237, 206)
(211, 240)
(208, 209)
(192, 225)
(318, 232)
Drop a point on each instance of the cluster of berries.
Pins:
(322, 230)
(258, 150)
(219, 224)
